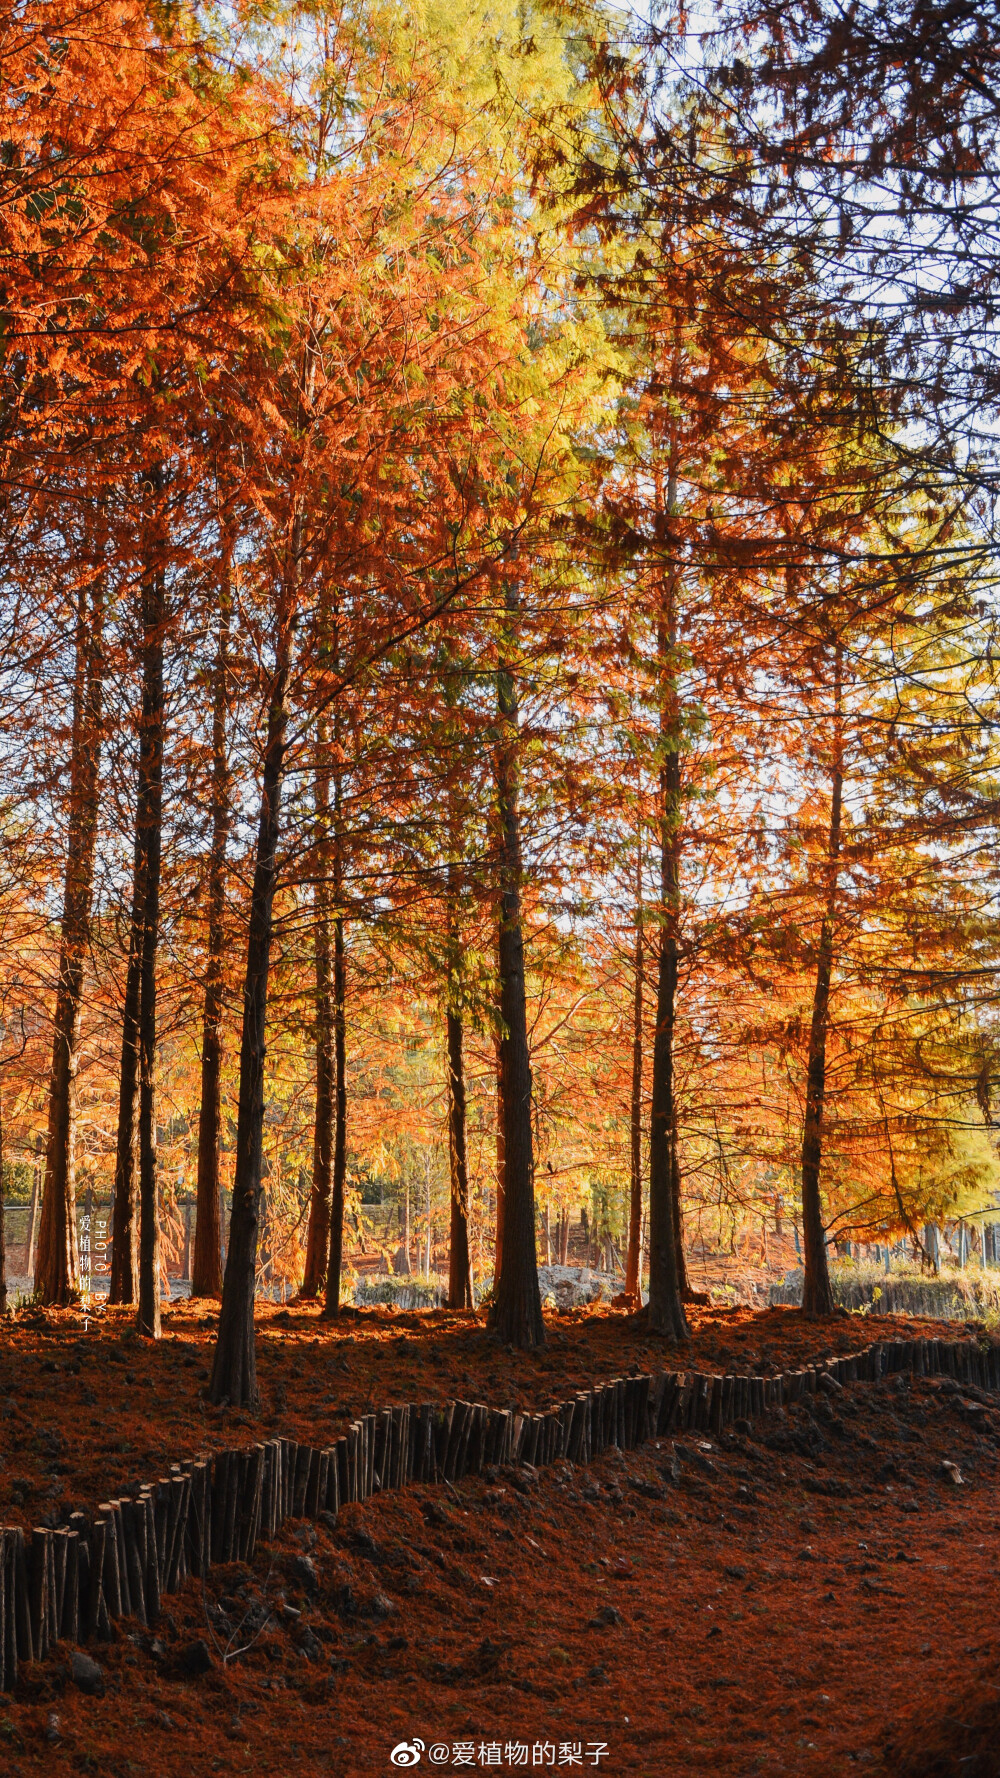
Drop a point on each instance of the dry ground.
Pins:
(816, 1599)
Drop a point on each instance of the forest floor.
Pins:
(782, 1602)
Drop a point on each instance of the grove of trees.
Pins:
(499, 632)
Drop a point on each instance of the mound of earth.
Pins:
(957, 1734)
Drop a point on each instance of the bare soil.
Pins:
(818, 1598)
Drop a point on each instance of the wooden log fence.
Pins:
(70, 1583)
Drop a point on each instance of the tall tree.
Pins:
(460, 1295)
(325, 1018)
(57, 1270)
(516, 1310)
(206, 1270)
(149, 833)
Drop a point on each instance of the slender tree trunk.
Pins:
(324, 1139)
(149, 823)
(516, 1312)
(234, 1371)
(427, 1186)
(817, 1290)
(406, 1232)
(633, 1267)
(687, 1294)
(332, 1306)
(125, 1208)
(3, 1223)
(459, 1259)
(666, 1307)
(57, 1275)
(206, 1271)
(36, 1193)
(498, 1219)
(459, 1256)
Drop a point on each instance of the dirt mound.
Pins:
(956, 1735)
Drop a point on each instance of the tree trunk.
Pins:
(324, 1139)
(36, 1193)
(149, 827)
(516, 1312)
(633, 1266)
(234, 1371)
(666, 1306)
(687, 1294)
(427, 1185)
(817, 1290)
(3, 1224)
(332, 1306)
(57, 1274)
(459, 1260)
(498, 1219)
(459, 1256)
(206, 1271)
(125, 1207)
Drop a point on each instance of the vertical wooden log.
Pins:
(322, 1482)
(229, 1528)
(361, 1458)
(281, 1461)
(240, 1471)
(267, 1496)
(146, 1512)
(95, 1583)
(161, 1513)
(300, 1489)
(458, 1417)
(112, 1577)
(379, 1453)
(180, 1496)
(427, 1441)
(393, 1463)
(474, 1459)
(57, 1582)
(250, 1524)
(333, 1483)
(291, 1465)
(462, 1452)
(312, 1483)
(367, 1457)
(4, 1638)
(442, 1435)
(10, 1613)
(343, 1469)
(69, 1620)
(118, 1539)
(199, 1531)
(168, 1501)
(133, 1564)
(38, 1581)
(372, 1422)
